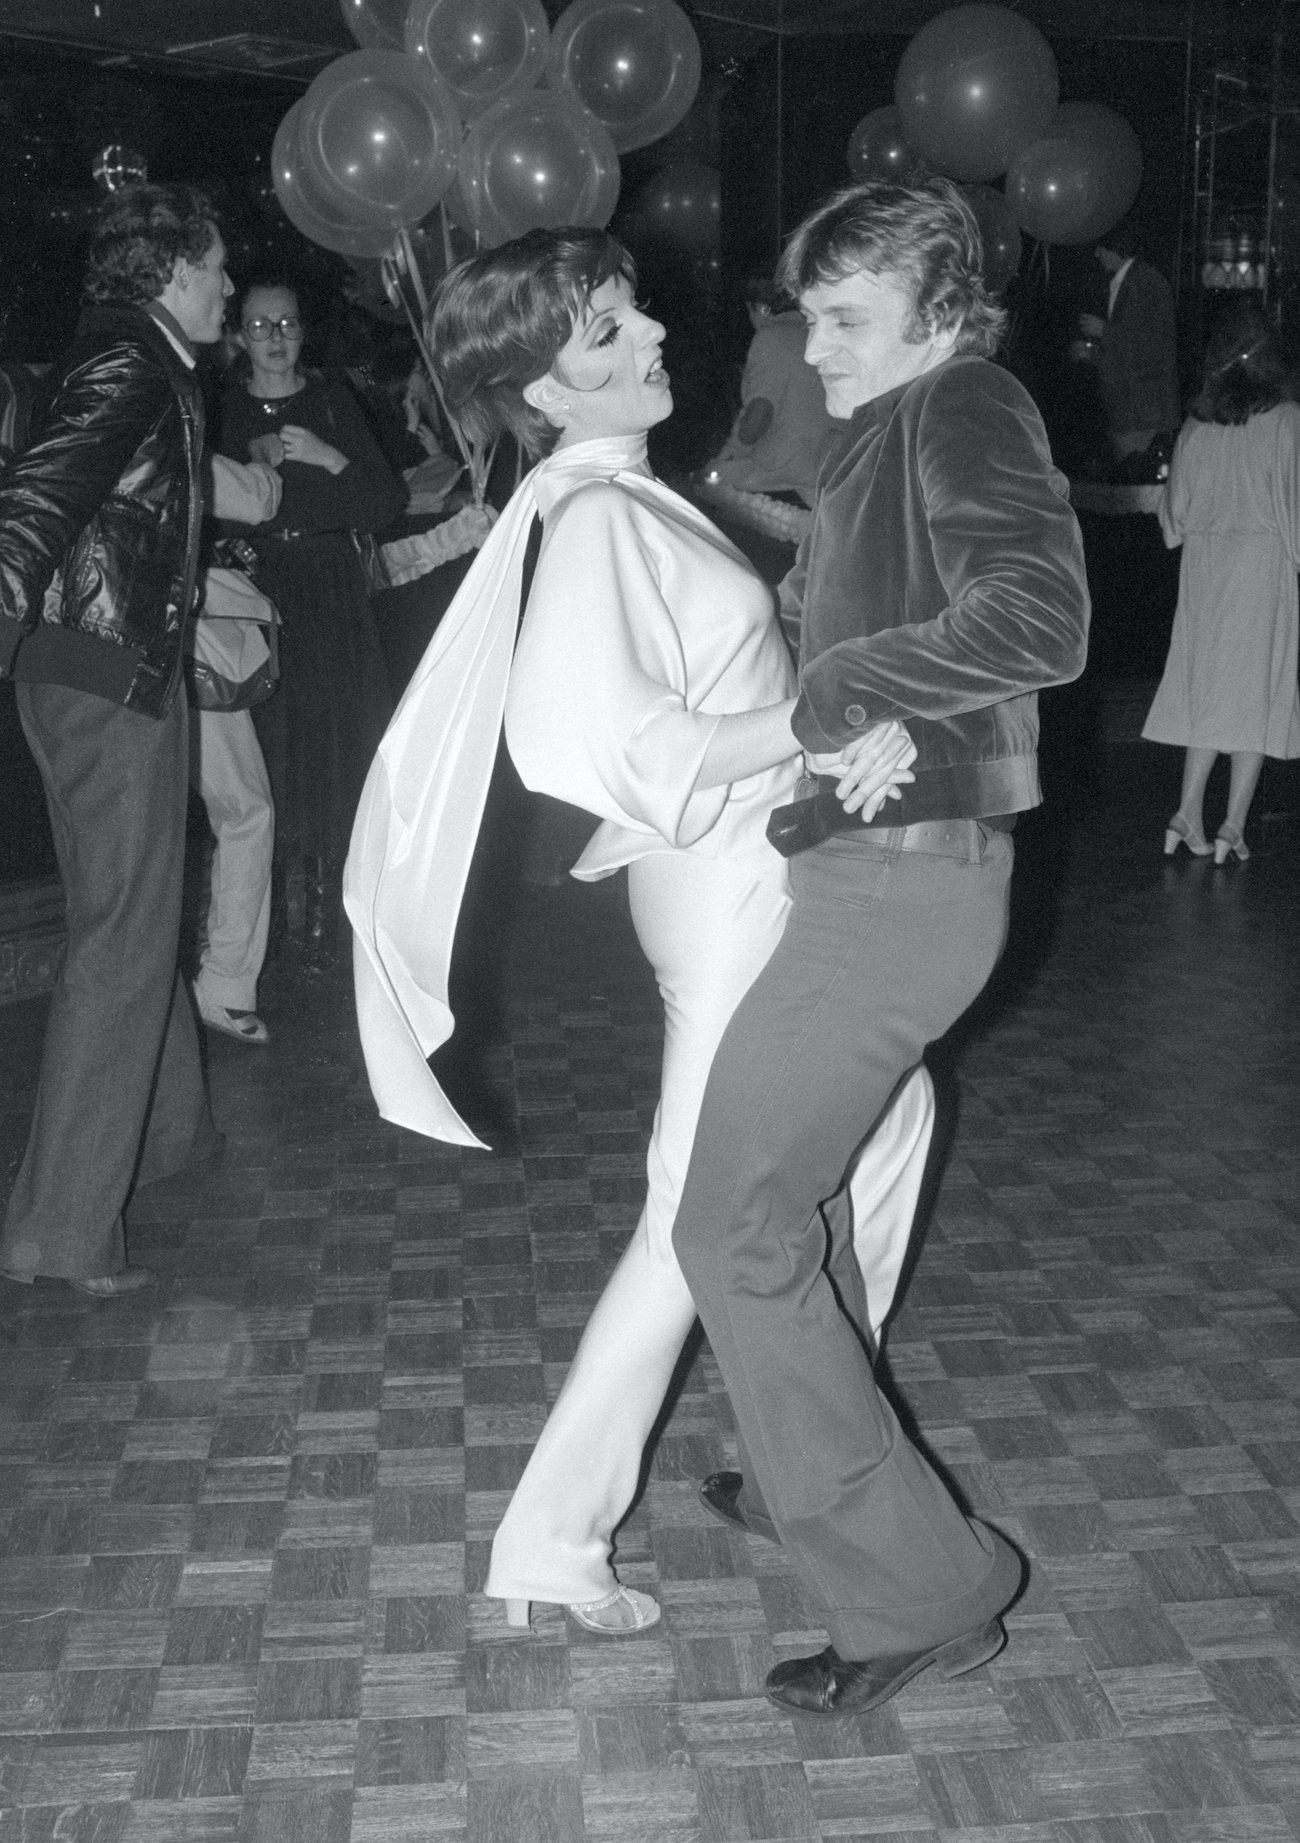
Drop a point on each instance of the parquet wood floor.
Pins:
(243, 1519)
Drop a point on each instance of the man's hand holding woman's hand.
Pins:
(871, 768)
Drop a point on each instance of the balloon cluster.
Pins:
(441, 105)
(976, 96)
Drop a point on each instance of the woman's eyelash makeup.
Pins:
(608, 338)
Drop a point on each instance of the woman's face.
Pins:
(270, 331)
(608, 378)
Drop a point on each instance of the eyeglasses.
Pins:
(261, 328)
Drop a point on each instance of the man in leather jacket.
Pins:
(941, 586)
(99, 525)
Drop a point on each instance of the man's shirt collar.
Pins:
(171, 326)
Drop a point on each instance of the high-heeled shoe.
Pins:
(1178, 832)
(645, 1613)
(1228, 843)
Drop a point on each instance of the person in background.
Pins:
(229, 774)
(941, 586)
(320, 728)
(99, 529)
(1134, 349)
(652, 687)
(1233, 503)
(783, 430)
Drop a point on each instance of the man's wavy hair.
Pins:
(1244, 372)
(500, 320)
(925, 234)
(138, 235)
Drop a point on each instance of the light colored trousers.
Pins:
(707, 928)
(227, 770)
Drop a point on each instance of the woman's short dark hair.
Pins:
(500, 320)
(924, 233)
(138, 236)
(1244, 372)
(270, 280)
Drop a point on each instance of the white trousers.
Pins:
(227, 769)
(707, 928)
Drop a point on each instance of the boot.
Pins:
(322, 905)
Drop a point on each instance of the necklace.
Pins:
(276, 406)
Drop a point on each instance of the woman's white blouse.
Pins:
(644, 626)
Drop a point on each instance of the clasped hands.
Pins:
(871, 769)
(294, 443)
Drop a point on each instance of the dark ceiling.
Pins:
(292, 39)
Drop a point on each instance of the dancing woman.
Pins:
(650, 686)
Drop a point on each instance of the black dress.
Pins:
(320, 729)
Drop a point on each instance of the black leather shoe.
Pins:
(829, 1684)
(113, 1285)
(720, 1494)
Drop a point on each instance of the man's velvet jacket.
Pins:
(942, 584)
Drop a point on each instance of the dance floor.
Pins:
(244, 1518)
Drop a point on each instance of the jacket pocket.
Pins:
(116, 580)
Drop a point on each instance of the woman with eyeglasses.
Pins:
(320, 729)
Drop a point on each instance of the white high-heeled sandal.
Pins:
(645, 1613)
(1230, 843)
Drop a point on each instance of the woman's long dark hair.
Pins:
(1244, 373)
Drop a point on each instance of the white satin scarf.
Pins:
(423, 801)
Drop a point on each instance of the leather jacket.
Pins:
(99, 518)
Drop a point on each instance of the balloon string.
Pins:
(413, 270)
(477, 460)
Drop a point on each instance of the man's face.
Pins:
(856, 338)
(200, 292)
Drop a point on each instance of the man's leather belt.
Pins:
(946, 836)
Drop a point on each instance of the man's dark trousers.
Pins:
(884, 950)
(121, 1099)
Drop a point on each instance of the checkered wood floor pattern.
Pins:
(243, 1519)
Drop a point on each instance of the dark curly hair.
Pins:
(1244, 372)
(501, 319)
(138, 236)
(925, 233)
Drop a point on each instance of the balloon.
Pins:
(974, 86)
(304, 211)
(536, 161)
(634, 63)
(999, 233)
(375, 24)
(1080, 178)
(379, 134)
(682, 205)
(484, 50)
(878, 148)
